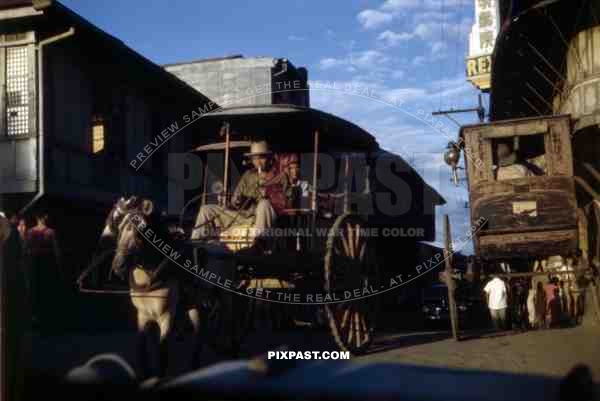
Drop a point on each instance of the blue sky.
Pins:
(412, 49)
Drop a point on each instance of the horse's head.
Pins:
(118, 212)
(140, 217)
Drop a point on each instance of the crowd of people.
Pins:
(42, 261)
(538, 302)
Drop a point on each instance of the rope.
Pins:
(95, 263)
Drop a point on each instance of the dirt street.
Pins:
(545, 352)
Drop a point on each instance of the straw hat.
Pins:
(260, 148)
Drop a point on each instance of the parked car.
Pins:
(435, 306)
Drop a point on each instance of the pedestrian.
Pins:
(568, 285)
(22, 228)
(531, 305)
(497, 295)
(540, 306)
(43, 260)
(518, 301)
(553, 308)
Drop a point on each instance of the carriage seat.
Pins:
(238, 237)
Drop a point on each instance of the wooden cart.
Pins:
(330, 266)
(545, 212)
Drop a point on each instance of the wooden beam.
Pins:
(523, 128)
(313, 206)
(226, 172)
(449, 278)
(533, 274)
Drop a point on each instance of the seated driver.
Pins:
(250, 203)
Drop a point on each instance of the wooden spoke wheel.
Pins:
(350, 268)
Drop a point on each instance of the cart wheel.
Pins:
(349, 266)
(223, 322)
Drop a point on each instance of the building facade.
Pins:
(238, 81)
(76, 107)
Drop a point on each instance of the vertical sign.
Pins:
(481, 43)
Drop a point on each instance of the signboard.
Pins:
(479, 71)
(481, 43)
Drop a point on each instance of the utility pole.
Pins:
(480, 110)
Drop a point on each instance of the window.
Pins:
(17, 91)
(97, 134)
(519, 156)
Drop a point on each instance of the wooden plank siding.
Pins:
(133, 117)
(507, 229)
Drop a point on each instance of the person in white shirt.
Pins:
(509, 167)
(497, 295)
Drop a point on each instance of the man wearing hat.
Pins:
(250, 201)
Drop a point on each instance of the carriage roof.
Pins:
(513, 127)
(291, 127)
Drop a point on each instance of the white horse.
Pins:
(157, 287)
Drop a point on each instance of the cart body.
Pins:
(531, 216)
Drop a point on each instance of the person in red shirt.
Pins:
(553, 309)
(44, 261)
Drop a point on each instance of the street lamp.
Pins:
(452, 157)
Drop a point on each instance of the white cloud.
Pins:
(390, 38)
(399, 5)
(438, 4)
(438, 51)
(368, 58)
(427, 14)
(430, 16)
(295, 38)
(365, 60)
(426, 30)
(418, 61)
(330, 62)
(370, 19)
(397, 74)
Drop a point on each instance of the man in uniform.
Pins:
(250, 202)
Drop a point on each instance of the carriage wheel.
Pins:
(350, 265)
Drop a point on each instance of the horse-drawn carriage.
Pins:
(321, 252)
(353, 202)
(526, 203)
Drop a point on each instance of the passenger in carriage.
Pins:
(509, 167)
(251, 203)
(298, 189)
